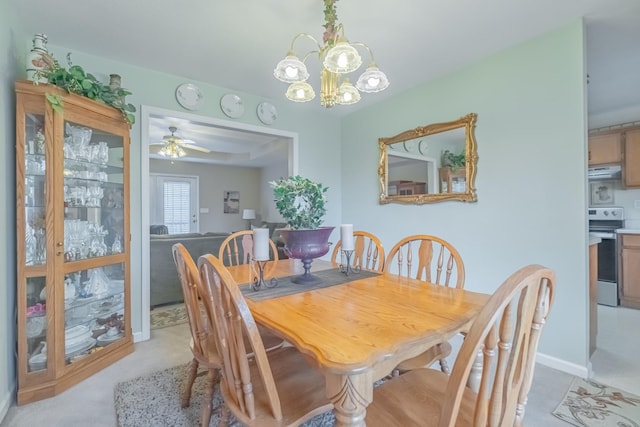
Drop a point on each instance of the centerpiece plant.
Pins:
(300, 201)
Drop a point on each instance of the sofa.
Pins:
(165, 285)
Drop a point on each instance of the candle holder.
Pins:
(346, 269)
(258, 281)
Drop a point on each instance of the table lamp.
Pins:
(248, 214)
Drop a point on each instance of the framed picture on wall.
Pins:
(601, 193)
(231, 202)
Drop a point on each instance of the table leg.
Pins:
(350, 394)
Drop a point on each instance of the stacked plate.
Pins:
(77, 340)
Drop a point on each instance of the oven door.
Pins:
(607, 268)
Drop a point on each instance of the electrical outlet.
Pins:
(636, 204)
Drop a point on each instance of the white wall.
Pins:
(11, 61)
(531, 208)
(214, 180)
(268, 211)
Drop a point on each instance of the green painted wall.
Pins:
(531, 174)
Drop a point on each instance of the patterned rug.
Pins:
(154, 400)
(170, 315)
(589, 404)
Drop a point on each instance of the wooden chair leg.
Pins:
(207, 399)
(224, 416)
(186, 393)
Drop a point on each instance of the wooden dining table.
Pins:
(357, 332)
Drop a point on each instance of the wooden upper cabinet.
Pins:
(605, 148)
(632, 158)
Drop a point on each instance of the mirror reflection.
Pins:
(430, 163)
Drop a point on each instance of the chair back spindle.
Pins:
(228, 310)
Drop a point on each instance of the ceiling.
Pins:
(236, 43)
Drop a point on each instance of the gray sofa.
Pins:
(165, 285)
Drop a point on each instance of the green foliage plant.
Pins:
(76, 80)
(300, 201)
(455, 161)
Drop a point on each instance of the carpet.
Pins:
(153, 400)
(170, 315)
(589, 404)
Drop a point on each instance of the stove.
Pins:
(603, 223)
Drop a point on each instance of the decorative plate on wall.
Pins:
(267, 113)
(232, 105)
(189, 96)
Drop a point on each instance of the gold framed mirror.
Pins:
(429, 164)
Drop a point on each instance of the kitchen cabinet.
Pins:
(453, 180)
(72, 200)
(605, 148)
(593, 297)
(631, 168)
(630, 270)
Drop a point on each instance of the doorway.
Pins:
(235, 130)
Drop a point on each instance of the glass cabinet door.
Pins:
(35, 246)
(93, 193)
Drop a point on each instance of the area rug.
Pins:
(590, 404)
(170, 315)
(153, 400)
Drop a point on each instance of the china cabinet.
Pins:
(73, 297)
(453, 180)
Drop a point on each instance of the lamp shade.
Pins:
(300, 92)
(290, 70)
(372, 80)
(248, 214)
(342, 58)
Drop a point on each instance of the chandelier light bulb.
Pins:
(342, 60)
(292, 72)
(373, 81)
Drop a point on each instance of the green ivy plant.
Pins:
(300, 201)
(76, 80)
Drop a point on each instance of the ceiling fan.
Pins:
(174, 146)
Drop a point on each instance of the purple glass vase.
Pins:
(306, 245)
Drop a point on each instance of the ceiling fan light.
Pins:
(290, 70)
(372, 80)
(347, 94)
(300, 92)
(342, 58)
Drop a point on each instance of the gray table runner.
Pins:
(287, 287)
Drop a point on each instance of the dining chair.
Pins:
(238, 247)
(434, 260)
(506, 332)
(203, 344)
(368, 252)
(279, 388)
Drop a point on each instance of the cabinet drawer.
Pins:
(631, 240)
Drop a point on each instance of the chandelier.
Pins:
(338, 57)
(172, 150)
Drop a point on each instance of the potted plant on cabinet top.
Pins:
(301, 202)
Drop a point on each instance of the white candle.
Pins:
(261, 244)
(346, 237)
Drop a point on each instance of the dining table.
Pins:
(356, 331)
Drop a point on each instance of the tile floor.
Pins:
(615, 363)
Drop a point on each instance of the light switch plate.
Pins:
(204, 210)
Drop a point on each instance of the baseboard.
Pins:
(139, 336)
(5, 403)
(562, 365)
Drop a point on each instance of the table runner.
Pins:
(286, 287)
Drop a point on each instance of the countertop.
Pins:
(628, 231)
(593, 240)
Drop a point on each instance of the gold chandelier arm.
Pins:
(307, 35)
(373, 61)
